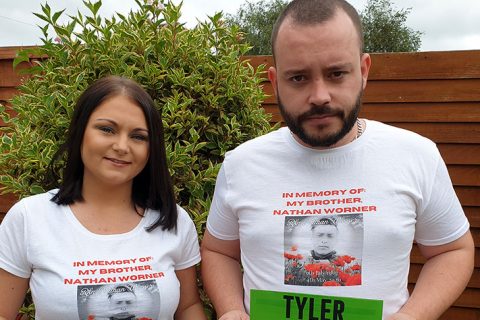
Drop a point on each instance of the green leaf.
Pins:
(43, 17)
(36, 189)
(22, 56)
(56, 15)
(96, 6)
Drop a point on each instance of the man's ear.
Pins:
(365, 63)
(272, 76)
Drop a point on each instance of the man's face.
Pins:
(324, 238)
(319, 79)
(122, 304)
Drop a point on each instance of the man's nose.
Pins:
(319, 92)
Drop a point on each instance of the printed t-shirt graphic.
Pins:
(133, 300)
(109, 289)
(323, 250)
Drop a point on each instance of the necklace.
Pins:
(359, 129)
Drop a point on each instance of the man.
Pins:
(329, 161)
(324, 238)
(311, 253)
(123, 302)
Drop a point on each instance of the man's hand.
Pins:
(235, 315)
(401, 316)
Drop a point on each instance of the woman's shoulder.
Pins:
(41, 199)
(184, 221)
(34, 208)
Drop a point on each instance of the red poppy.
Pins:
(331, 283)
(315, 267)
(354, 280)
(289, 277)
(343, 276)
(289, 255)
(356, 267)
(292, 256)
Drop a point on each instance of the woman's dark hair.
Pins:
(152, 187)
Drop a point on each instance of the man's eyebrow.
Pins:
(333, 67)
(340, 66)
(294, 72)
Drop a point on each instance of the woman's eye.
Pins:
(139, 137)
(105, 129)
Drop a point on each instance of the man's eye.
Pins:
(337, 74)
(298, 78)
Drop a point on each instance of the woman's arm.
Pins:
(190, 306)
(12, 293)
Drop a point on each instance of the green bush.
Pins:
(209, 97)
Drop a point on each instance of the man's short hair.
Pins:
(324, 221)
(121, 289)
(310, 12)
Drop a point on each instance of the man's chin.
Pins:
(123, 315)
(318, 141)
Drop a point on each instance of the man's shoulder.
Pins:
(263, 142)
(398, 137)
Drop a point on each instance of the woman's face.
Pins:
(115, 145)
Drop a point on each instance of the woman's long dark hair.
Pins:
(152, 187)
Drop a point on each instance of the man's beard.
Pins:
(295, 123)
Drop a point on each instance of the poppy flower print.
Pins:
(323, 251)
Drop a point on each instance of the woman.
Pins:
(113, 222)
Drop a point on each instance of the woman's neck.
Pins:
(107, 210)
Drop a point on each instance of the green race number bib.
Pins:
(273, 305)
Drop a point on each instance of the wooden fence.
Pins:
(436, 94)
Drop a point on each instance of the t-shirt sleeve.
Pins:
(13, 242)
(441, 219)
(222, 222)
(189, 253)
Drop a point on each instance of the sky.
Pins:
(446, 24)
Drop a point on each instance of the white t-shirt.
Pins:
(76, 274)
(383, 190)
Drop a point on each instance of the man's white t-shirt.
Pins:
(385, 189)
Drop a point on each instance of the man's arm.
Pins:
(442, 279)
(222, 276)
